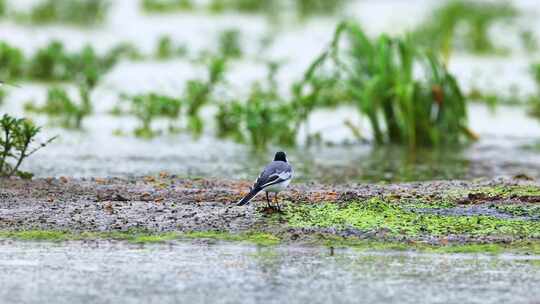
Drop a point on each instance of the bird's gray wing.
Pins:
(275, 172)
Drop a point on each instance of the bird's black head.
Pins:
(280, 156)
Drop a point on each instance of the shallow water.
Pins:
(97, 152)
(235, 273)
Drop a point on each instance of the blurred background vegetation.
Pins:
(263, 75)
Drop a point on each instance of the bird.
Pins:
(275, 177)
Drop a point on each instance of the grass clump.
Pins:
(464, 24)
(61, 107)
(278, 8)
(76, 12)
(307, 8)
(17, 137)
(166, 49)
(164, 6)
(377, 215)
(534, 100)
(149, 107)
(244, 6)
(54, 63)
(198, 92)
(229, 43)
(12, 62)
(3, 95)
(265, 118)
(427, 110)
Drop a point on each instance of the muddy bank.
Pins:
(508, 208)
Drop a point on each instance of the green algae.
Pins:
(506, 192)
(267, 239)
(519, 209)
(139, 237)
(378, 215)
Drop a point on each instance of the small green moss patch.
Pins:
(375, 214)
(506, 192)
(139, 237)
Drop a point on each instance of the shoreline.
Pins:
(489, 214)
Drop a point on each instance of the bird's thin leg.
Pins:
(268, 200)
(277, 202)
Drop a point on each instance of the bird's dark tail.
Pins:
(249, 197)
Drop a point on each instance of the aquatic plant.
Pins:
(403, 108)
(54, 63)
(17, 136)
(263, 119)
(529, 41)
(306, 8)
(166, 49)
(3, 95)
(61, 107)
(11, 62)
(243, 6)
(124, 50)
(229, 43)
(77, 12)
(149, 107)
(162, 6)
(534, 100)
(198, 92)
(442, 29)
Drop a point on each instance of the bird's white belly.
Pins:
(278, 187)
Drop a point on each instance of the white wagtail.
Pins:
(275, 177)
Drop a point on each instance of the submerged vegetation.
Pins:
(464, 24)
(17, 137)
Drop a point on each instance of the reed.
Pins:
(401, 107)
